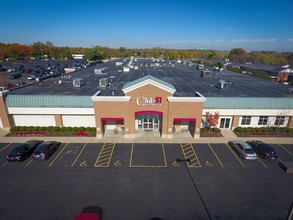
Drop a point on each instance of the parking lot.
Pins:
(140, 181)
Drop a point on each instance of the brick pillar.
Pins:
(58, 120)
(6, 119)
(235, 122)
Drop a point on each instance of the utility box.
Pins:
(222, 84)
(78, 82)
(103, 82)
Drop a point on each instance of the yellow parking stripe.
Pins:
(5, 147)
(105, 154)
(189, 153)
(4, 164)
(216, 155)
(289, 152)
(235, 155)
(131, 153)
(28, 163)
(78, 155)
(58, 155)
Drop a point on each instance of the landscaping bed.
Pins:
(212, 132)
(263, 132)
(51, 131)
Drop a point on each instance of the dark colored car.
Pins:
(90, 213)
(15, 75)
(23, 151)
(45, 150)
(263, 150)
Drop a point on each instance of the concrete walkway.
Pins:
(148, 138)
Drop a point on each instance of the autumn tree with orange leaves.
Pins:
(212, 119)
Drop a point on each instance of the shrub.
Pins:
(29, 128)
(91, 133)
(42, 128)
(271, 130)
(22, 128)
(216, 130)
(251, 129)
(68, 128)
(62, 129)
(75, 129)
(50, 128)
(238, 129)
(56, 128)
(81, 128)
(88, 129)
(203, 129)
(36, 128)
(93, 129)
(13, 129)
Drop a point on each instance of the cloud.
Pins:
(230, 29)
(254, 40)
(290, 40)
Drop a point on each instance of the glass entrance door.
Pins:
(148, 123)
(225, 122)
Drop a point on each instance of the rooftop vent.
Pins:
(103, 82)
(78, 82)
(221, 84)
(205, 73)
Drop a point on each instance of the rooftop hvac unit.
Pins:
(78, 82)
(205, 73)
(222, 84)
(103, 82)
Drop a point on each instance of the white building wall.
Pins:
(78, 121)
(34, 120)
(1, 125)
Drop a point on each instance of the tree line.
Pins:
(48, 50)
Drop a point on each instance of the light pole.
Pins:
(194, 184)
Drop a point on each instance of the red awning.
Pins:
(184, 119)
(112, 119)
(148, 112)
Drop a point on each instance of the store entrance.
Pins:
(148, 121)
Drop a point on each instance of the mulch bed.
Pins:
(210, 134)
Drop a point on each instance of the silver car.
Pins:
(243, 149)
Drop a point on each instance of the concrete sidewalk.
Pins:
(227, 136)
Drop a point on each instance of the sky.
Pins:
(179, 24)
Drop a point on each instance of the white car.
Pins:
(244, 150)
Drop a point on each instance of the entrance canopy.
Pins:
(148, 114)
(112, 119)
(184, 119)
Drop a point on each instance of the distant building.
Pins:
(78, 56)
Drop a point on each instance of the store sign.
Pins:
(143, 101)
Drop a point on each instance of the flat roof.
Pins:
(186, 80)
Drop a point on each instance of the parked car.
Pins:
(15, 75)
(243, 149)
(45, 150)
(23, 151)
(34, 76)
(11, 70)
(90, 213)
(263, 150)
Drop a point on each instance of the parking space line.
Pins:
(235, 155)
(189, 153)
(58, 155)
(78, 155)
(262, 162)
(105, 155)
(5, 147)
(4, 164)
(289, 152)
(28, 163)
(145, 166)
(216, 155)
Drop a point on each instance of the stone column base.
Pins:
(99, 135)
